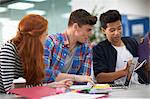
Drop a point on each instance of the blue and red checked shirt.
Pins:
(55, 52)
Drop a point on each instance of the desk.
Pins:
(6, 96)
(134, 91)
(9, 96)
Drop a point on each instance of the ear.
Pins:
(103, 30)
(75, 26)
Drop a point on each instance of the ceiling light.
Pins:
(65, 15)
(70, 3)
(3, 9)
(36, 0)
(40, 12)
(20, 6)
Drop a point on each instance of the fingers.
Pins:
(68, 83)
(65, 81)
(91, 80)
(59, 86)
(87, 79)
(129, 63)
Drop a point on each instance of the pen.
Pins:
(84, 91)
(87, 91)
(100, 93)
(105, 96)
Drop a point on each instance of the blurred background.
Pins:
(135, 15)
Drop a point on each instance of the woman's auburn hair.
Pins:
(30, 48)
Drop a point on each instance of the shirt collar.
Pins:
(66, 40)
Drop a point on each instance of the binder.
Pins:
(35, 92)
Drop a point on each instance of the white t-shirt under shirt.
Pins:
(123, 55)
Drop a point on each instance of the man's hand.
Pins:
(129, 63)
(83, 78)
(63, 83)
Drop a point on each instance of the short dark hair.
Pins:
(108, 17)
(81, 17)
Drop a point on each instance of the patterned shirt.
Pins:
(55, 52)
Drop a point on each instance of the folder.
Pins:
(34, 92)
(144, 49)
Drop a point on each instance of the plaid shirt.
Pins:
(55, 52)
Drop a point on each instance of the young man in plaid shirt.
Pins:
(68, 55)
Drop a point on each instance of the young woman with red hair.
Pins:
(22, 56)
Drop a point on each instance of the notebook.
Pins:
(144, 49)
(144, 53)
(34, 92)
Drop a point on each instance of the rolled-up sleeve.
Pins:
(99, 61)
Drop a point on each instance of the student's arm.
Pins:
(102, 68)
(76, 78)
(7, 67)
(83, 73)
(63, 83)
(110, 77)
(51, 72)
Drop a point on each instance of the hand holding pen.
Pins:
(129, 64)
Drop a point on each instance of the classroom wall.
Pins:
(130, 7)
(134, 12)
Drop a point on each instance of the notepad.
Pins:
(101, 86)
(100, 89)
(79, 87)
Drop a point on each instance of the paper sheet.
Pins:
(73, 95)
